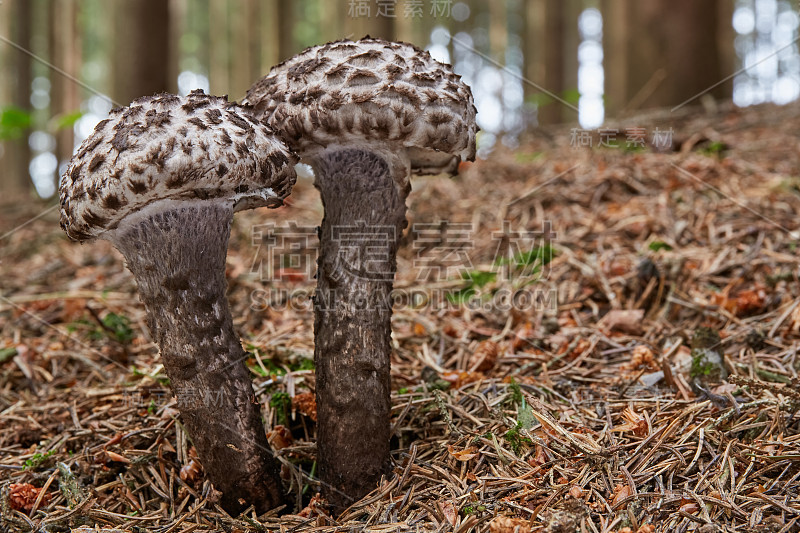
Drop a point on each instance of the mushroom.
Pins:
(161, 180)
(365, 115)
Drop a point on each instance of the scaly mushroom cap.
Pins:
(165, 147)
(374, 94)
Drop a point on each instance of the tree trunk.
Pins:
(332, 14)
(269, 37)
(141, 49)
(378, 24)
(661, 53)
(244, 59)
(65, 48)
(550, 58)
(726, 36)
(403, 25)
(498, 31)
(220, 49)
(412, 26)
(178, 27)
(14, 177)
(616, 32)
(287, 44)
(364, 219)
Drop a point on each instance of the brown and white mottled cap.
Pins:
(166, 147)
(386, 96)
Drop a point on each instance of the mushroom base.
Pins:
(178, 258)
(364, 220)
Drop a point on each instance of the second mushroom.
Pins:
(161, 179)
(365, 115)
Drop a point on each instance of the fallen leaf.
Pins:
(627, 321)
(315, 507)
(795, 324)
(306, 403)
(634, 422)
(463, 455)
(745, 302)
(74, 308)
(117, 458)
(449, 512)
(617, 267)
(523, 337)
(451, 330)
(576, 492)
(459, 379)
(620, 493)
(507, 524)
(291, 275)
(484, 357)
(280, 437)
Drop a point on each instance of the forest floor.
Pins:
(586, 338)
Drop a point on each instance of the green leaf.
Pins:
(6, 354)
(516, 439)
(522, 157)
(537, 255)
(305, 363)
(273, 368)
(713, 148)
(13, 122)
(119, 327)
(282, 403)
(539, 100)
(571, 96)
(516, 392)
(66, 120)
(37, 460)
(460, 296)
(657, 246)
(479, 278)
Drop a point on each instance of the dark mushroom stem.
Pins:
(178, 259)
(365, 215)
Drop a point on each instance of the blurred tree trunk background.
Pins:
(17, 21)
(660, 54)
(523, 55)
(551, 42)
(65, 49)
(141, 49)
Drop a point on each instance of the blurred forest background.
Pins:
(65, 63)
